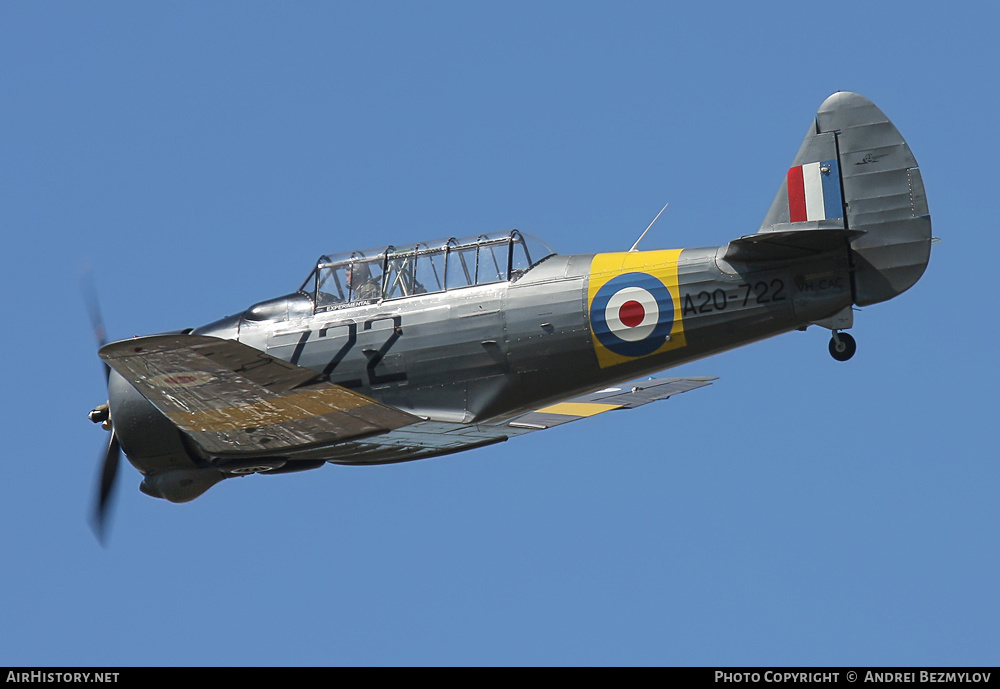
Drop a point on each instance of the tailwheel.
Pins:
(842, 346)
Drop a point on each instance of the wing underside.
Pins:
(232, 399)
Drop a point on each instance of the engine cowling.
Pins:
(155, 447)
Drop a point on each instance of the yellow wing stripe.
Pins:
(582, 409)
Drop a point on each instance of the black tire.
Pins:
(845, 349)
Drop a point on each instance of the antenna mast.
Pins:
(635, 247)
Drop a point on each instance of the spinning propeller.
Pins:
(102, 415)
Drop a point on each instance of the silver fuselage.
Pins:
(482, 352)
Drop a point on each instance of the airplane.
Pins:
(402, 353)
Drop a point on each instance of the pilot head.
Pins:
(358, 274)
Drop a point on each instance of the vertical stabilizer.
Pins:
(854, 151)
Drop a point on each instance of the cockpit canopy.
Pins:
(394, 272)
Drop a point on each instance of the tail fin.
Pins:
(855, 177)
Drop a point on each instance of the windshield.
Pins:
(395, 272)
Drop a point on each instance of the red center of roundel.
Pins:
(631, 313)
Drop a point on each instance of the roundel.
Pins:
(632, 314)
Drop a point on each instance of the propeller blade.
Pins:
(109, 469)
(112, 456)
(94, 311)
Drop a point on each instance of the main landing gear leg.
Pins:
(842, 346)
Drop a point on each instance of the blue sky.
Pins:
(199, 156)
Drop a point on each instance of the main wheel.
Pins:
(843, 349)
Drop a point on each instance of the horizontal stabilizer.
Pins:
(780, 243)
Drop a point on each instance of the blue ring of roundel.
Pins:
(656, 338)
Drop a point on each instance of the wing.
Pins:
(232, 399)
(628, 396)
(433, 438)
